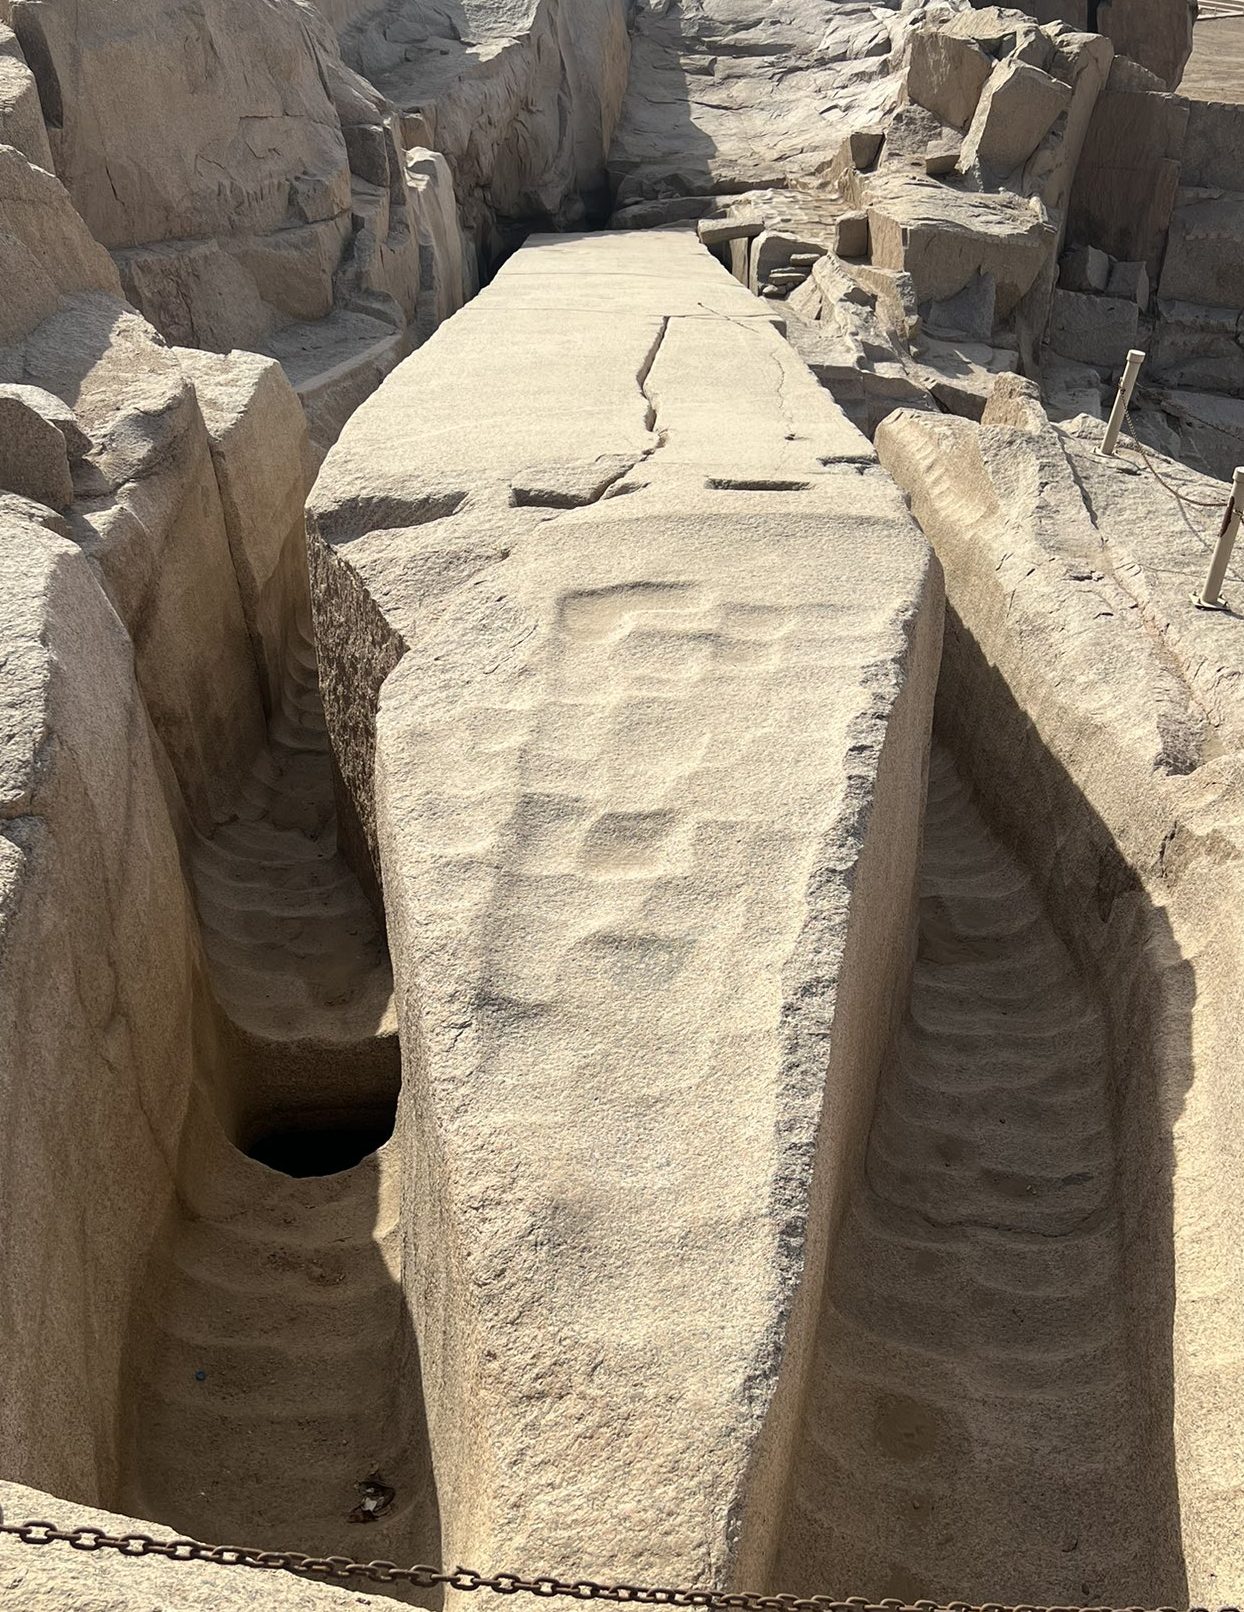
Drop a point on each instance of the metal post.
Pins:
(1211, 594)
(1131, 370)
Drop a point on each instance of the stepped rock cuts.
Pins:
(645, 800)
(1099, 716)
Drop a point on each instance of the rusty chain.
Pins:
(1181, 497)
(464, 1578)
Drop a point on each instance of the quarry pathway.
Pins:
(296, 952)
(970, 1426)
(275, 1330)
(272, 1359)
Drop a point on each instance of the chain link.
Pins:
(463, 1578)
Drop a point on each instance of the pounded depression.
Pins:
(274, 1394)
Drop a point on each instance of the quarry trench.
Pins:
(619, 936)
(269, 1392)
(971, 1417)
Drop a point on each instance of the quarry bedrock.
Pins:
(583, 952)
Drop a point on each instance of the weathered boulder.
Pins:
(196, 293)
(56, 412)
(46, 252)
(262, 461)
(535, 706)
(34, 455)
(1002, 32)
(153, 523)
(943, 238)
(448, 275)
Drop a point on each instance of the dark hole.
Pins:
(318, 1149)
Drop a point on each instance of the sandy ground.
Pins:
(1216, 69)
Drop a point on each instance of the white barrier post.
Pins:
(1210, 597)
(1131, 370)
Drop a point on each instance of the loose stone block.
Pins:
(1084, 268)
(851, 235)
(21, 117)
(55, 411)
(939, 160)
(864, 145)
(946, 75)
(1130, 280)
(719, 231)
(34, 460)
(1094, 330)
(1018, 107)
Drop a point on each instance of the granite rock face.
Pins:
(21, 116)
(535, 655)
(253, 191)
(520, 100)
(723, 98)
(257, 171)
(169, 835)
(95, 997)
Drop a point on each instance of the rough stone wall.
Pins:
(1126, 183)
(102, 1009)
(149, 627)
(286, 216)
(522, 101)
(1155, 33)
